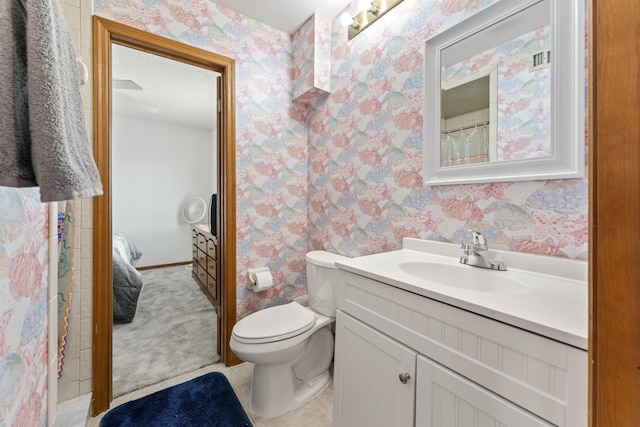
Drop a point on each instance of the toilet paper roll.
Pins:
(260, 280)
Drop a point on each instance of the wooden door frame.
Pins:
(105, 33)
(614, 213)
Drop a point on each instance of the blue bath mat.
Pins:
(206, 401)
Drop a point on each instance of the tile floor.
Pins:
(73, 412)
(315, 413)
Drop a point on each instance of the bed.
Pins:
(127, 281)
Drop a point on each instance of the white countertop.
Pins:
(555, 305)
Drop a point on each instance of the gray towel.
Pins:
(43, 134)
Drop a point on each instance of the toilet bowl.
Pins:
(290, 345)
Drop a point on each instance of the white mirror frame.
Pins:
(568, 99)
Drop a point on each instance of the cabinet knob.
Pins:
(404, 377)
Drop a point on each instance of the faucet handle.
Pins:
(477, 254)
(478, 239)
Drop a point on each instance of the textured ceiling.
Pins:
(171, 91)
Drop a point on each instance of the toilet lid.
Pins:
(274, 324)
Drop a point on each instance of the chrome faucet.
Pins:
(477, 254)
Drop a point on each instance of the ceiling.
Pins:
(171, 91)
(180, 93)
(285, 15)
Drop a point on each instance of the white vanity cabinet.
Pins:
(460, 368)
(369, 367)
(448, 399)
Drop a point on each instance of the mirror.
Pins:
(505, 95)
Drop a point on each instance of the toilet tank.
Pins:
(322, 279)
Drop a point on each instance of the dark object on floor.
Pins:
(127, 281)
(206, 401)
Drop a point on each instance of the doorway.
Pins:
(163, 170)
(106, 34)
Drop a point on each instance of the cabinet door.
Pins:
(374, 377)
(444, 398)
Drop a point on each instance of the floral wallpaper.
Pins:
(366, 147)
(311, 74)
(23, 308)
(344, 174)
(271, 135)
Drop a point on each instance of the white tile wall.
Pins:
(76, 377)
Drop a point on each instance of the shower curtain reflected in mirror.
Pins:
(465, 145)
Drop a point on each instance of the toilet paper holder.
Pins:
(252, 272)
(260, 279)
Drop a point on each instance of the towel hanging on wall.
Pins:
(43, 134)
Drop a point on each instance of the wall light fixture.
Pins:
(368, 12)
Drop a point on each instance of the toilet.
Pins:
(291, 345)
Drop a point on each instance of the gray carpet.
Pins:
(173, 332)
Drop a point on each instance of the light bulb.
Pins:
(363, 5)
(346, 19)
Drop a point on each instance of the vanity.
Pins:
(422, 340)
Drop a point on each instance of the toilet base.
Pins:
(271, 405)
(289, 372)
(279, 388)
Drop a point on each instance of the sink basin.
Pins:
(465, 277)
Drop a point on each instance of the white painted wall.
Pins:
(156, 168)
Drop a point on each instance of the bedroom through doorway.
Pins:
(163, 156)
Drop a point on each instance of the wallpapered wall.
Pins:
(23, 308)
(311, 45)
(271, 150)
(360, 147)
(365, 155)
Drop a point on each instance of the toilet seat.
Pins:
(274, 324)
